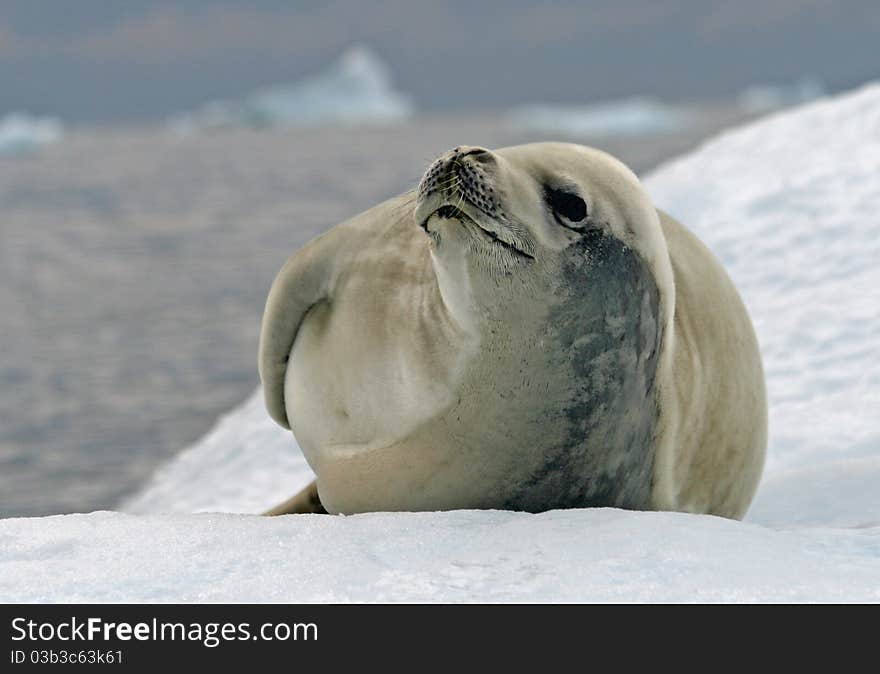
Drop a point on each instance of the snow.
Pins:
(559, 556)
(638, 116)
(355, 90)
(790, 205)
(246, 464)
(765, 97)
(22, 134)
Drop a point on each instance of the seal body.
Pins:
(523, 331)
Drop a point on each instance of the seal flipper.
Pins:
(304, 502)
(304, 281)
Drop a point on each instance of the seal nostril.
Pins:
(480, 155)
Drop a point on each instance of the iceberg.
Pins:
(638, 116)
(22, 134)
(356, 90)
(767, 97)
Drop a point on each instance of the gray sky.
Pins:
(143, 59)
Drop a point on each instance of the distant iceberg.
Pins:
(637, 116)
(767, 97)
(355, 90)
(21, 133)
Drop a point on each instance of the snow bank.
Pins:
(355, 90)
(638, 116)
(560, 556)
(767, 97)
(246, 464)
(22, 134)
(790, 205)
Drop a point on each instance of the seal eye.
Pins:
(566, 205)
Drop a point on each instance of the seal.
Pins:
(523, 331)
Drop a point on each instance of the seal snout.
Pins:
(464, 176)
(462, 185)
(478, 154)
(463, 169)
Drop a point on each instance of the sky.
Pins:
(93, 60)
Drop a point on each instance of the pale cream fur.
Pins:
(384, 333)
